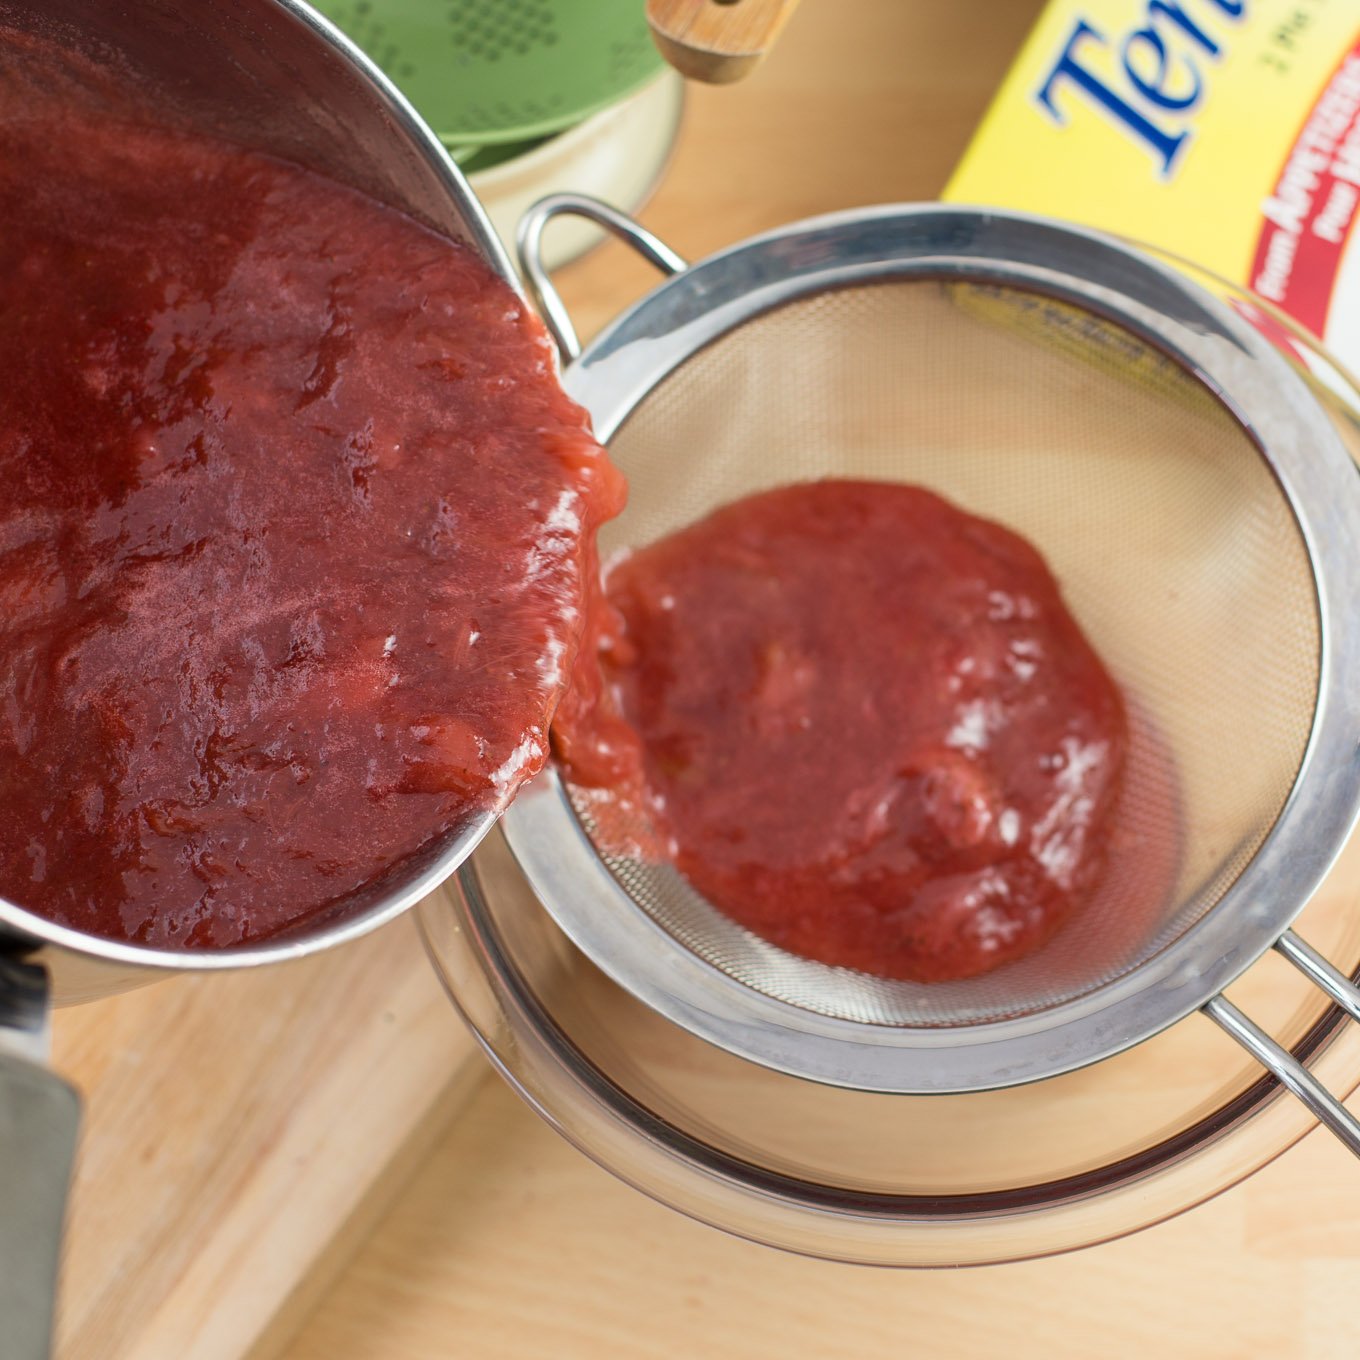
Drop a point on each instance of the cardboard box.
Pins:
(1226, 132)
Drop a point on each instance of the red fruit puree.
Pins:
(864, 721)
(294, 527)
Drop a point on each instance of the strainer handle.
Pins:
(1293, 1075)
(529, 240)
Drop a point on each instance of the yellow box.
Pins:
(1223, 131)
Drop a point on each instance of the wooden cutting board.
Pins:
(239, 1130)
(510, 1245)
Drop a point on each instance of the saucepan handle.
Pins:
(530, 243)
(716, 40)
(39, 1120)
(1292, 1073)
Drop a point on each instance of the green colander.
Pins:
(485, 72)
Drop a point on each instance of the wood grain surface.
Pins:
(239, 1129)
(510, 1245)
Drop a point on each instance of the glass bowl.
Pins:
(890, 1179)
(884, 1179)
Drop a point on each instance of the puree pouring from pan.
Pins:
(295, 521)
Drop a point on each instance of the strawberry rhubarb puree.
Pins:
(294, 526)
(863, 724)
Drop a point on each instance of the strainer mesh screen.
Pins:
(1173, 544)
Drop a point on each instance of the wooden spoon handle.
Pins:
(717, 41)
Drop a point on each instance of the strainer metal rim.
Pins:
(1098, 273)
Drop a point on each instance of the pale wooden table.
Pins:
(508, 1244)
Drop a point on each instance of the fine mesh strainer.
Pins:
(1200, 512)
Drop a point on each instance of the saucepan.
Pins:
(274, 76)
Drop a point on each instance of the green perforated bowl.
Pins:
(484, 72)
